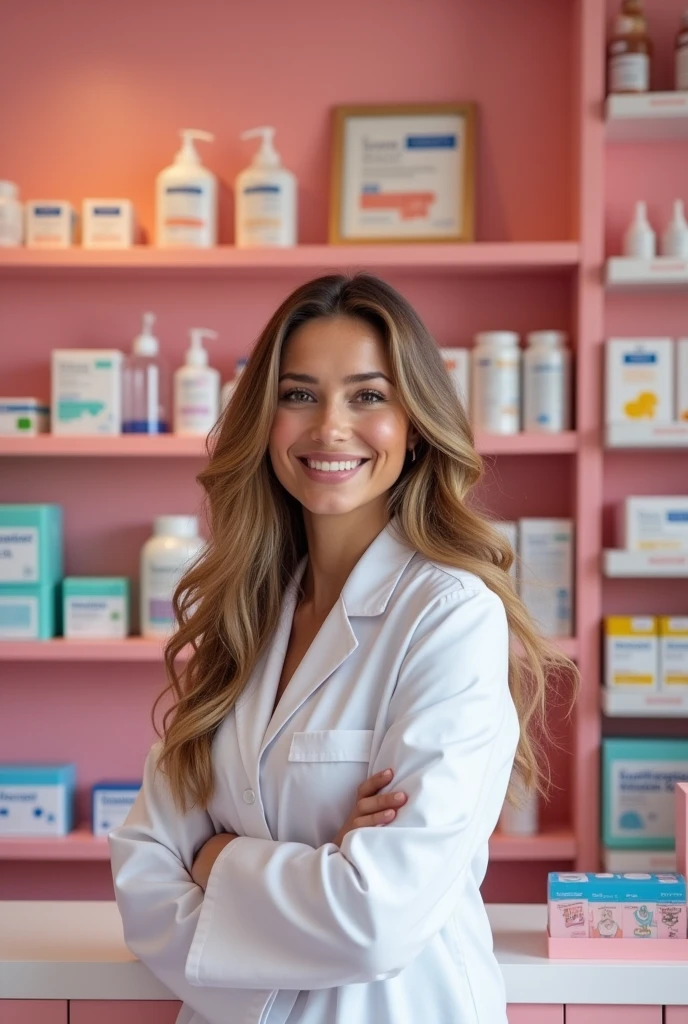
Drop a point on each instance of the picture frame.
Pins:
(403, 173)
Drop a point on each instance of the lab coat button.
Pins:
(249, 796)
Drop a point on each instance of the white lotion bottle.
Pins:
(11, 215)
(675, 238)
(265, 198)
(196, 389)
(546, 383)
(496, 382)
(523, 819)
(186, 199)
(165, 557)
(229, 385)
(640, 241)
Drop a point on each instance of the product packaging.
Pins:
(37, 800)
(86, 392)
(682, 380)
(30, 544)
(614, 906)
(50, 224)
(520, 818)
(23, 417)
(629, 54)
(639, 380)
(675, 237)
(28, 611)
(681, 55)
(631, 653)
(638, 779)
(196, 389)
(496, 382)
(673, 653)
(640, 240)
(107, 224)
(95, 608)
(110, 805)
(11, 216)
(654, 523)
(457, 362)
(165, 557)
(229, 385)
(186, 199)
(266, 203)
(547, 383)
(546, 581)
(145, 385)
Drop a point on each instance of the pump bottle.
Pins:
(640, 240)
(265, 198)
(186, 199)
(145, 385)
(196, 389)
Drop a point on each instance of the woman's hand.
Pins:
(207, 855)
(371, 808)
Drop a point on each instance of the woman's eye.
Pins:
(371, 397)
(296, 395)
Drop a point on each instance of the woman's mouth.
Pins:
(331, 470)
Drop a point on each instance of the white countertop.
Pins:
(75, 950)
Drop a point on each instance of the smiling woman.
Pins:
(350, 623)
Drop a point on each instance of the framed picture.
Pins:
(403, 173)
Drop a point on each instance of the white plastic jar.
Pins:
(546, 382)
(11, 216)
(165, 557)
(523, 819)
(496, 384)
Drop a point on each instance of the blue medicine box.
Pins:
(37, 800)
(30, 544)
(110, 805)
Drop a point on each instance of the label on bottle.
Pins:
(184, 222)
(19, 554)
(629, 72)
(262, 214)
(682, 65)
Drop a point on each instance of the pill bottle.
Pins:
(496, 382)
(165, 557)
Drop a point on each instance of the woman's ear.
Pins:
(412, 438)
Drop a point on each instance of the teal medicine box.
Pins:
(95, 607)
(28, 612)
(37, 800)
(638, 780)
(30, 544)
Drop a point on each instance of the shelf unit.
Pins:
(171, 446)
(538, 264)
(82, 845)
(619, 704)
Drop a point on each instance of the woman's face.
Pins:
(340, 434)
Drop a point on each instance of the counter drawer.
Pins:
(121, 1011)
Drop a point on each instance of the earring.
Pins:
(413, 455)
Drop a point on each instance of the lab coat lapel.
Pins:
(332, 645)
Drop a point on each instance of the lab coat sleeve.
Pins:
(286, 915)
(152, 855)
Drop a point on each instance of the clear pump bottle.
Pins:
(145, 385)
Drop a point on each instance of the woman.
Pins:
(350, 617)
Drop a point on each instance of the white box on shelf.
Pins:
(653, 564)
(23, 417)
(631, 861)
(107, 224)
(86, 392)
(647, 435)
(36, 800)
(639, 382)
(457, 362)
(546, 578)
(682, 381)
(631, 652)
(654, 523)
(628, 703)
(673, 653)
(111, 803)
(49, 224)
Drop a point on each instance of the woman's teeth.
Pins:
(332, 467)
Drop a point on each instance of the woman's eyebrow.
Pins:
(353, 378)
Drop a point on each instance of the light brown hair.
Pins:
(227, 605)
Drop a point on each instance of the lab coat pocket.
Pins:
(325, 769)
(332, 745)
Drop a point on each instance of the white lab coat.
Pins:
(409, 671)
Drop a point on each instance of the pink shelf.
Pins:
(476, 256)
(81, 845)
(133, 649)
(171, 446)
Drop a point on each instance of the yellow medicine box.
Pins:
(631, 652)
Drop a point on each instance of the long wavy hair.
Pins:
(227, 605)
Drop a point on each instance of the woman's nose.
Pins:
(331, 423)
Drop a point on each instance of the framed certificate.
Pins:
(403, 173)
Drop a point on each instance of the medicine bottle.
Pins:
(165, 557)
(11, 221)
(496, 382)
(546, 383)
(629, 55)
